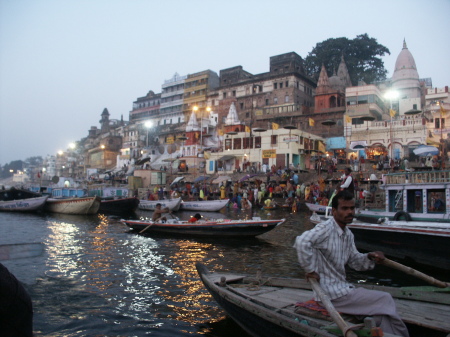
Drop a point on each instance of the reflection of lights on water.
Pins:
(191, 297)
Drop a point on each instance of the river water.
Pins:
(96, 278)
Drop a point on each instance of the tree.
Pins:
(362, 56)
(9, 169)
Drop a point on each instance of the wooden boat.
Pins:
(266, 307)
(319, 209)
(118, 205)
(213, 227)
(86, 205)
(416, 196)
(150, 205)
(18, 200)
(420, 241)
(204, 205)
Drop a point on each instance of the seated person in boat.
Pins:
(158, 212)
(246, 204)
(195, 218)
(324, 251)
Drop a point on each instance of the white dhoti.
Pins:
(378, 304)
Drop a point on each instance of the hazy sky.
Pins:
(63, 61)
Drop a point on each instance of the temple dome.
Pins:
(405, 67)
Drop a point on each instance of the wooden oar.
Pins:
(142, 231)
(337, 318)
(416, 273)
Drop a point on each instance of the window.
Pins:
(439, 122)
(273, 139)
(248, 143)
(257, 142)
(224, 95)
(286, 99)
(237, 143)
(241, 105)
(281, 85)
(267, 101)
(275, 85)
(287, 84)
(234, 93)
(275, 100)
(228, 144)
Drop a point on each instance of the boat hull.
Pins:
(123, 205)
(150, 205)
(203, 228)
(203, 206)
(319, 209)
(265, 306)
(422, 244)
(87, 205)
(23, 205)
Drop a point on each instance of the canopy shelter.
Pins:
(248, 176)
(426, 150)
(221, 179)
(201, 178)
(225, 158)
(176, 180)
(141, 161)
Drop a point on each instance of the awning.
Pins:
(360, 144)
(177, 179)
(201, 178)
(220, 179)
(225, 158)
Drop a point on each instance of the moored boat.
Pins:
(213, 227)
(319, 209)
(420, 241)
(413, 196)
(86, 205)
(267, 307)
(18, 200)
(118, 205)
(150, 205)
(203, 205)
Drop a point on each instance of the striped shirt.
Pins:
(326, 249)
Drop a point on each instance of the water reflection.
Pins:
(96, 278)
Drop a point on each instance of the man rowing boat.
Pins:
(324, 251)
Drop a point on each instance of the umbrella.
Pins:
(220, 179)
(248, 176)
(358, 147)
(201, 178)
(177, 179)
(426, 150)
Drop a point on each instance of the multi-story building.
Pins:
(171, 109)
(281, 95)
(145, 108)
(436, 111)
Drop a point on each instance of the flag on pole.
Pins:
(247, 129)
(275, 126)
(392, 112)
(348, 119)
(311, 122)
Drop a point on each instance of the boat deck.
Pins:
(415, 311)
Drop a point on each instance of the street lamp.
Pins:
(148, 125)
(391, 95)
